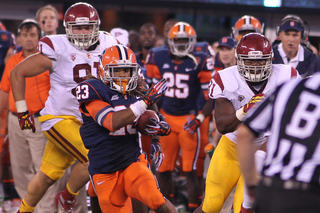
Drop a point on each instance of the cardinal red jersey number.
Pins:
(84, 68)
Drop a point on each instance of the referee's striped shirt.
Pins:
(292, 114)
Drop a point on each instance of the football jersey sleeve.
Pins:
(216, 87)
(294, 73)
(87, 91)
(46, 47)
(204, 78)
(208, 64)
(92, 105)
(100, 111)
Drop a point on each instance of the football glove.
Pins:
(156, 154)
(255, 99)
(240, 113)
(160, 128)
(26, 121)
(191, 126)
(155, 92)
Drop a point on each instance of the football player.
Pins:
(246, 24)
(187, 74)
(224, 58)
(109, 107)
(236, 89)
(69, 58)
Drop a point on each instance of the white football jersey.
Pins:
(69, 67)
(229, 84)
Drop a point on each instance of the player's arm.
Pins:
(31, 66)
(204, 78)
(111, 119)
(225, 116)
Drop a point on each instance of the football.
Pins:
(144, 120)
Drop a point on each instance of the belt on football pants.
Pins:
(37, 114)
(288, 184)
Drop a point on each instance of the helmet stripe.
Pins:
(123, 53)
(247, 20)
(182, 27)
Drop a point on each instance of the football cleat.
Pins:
(64, 205)
(15, 205)
(6, 206)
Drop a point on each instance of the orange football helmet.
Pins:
(82, 14)
(182, 30)
(119, 56)
(246, 23)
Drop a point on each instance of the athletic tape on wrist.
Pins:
(21, 106)
(200, 117)
(138, 108)
(240, 115)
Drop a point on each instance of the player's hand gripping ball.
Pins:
(144, 120)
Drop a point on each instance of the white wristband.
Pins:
(138, 108)
(21, 106)
(200, 117)
(240, 115)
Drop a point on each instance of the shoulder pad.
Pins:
(229, 78)
(47, 41)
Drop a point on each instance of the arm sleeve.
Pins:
(216, 87)
(204, 77)
(101, 112)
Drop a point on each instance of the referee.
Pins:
(290, 175)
